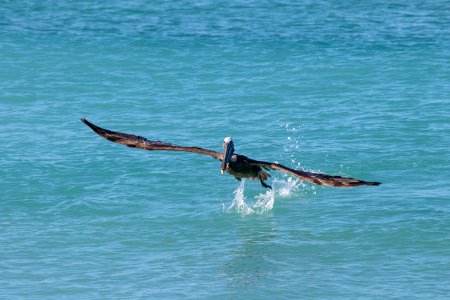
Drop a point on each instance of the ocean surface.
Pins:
(350, 88)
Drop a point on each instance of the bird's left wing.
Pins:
(316, 178)
(135, 141)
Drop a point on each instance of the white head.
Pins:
(228, 150)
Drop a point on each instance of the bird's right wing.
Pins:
(316, 178)
(135, 141)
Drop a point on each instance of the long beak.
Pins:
(227, 153)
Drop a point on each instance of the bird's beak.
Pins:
(228, 150)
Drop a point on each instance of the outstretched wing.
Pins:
(316, 178)
(135, 141)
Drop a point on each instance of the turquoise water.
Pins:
(359, 89)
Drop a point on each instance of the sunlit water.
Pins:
(357, 89)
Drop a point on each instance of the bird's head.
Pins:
(228, 150)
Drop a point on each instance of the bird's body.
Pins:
(240, 168)
(237, 165)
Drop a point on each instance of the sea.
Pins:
(350, 88)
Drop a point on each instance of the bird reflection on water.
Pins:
(252, 261)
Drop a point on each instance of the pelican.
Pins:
(236, 165)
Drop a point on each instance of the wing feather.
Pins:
(316, 178)
(135, 141)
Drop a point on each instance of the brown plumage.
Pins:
(236, 165)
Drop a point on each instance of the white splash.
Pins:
(263, 202)
(287, 187)
(238, 205)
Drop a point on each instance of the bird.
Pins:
(237, 165)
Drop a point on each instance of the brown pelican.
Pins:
(237, 165)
